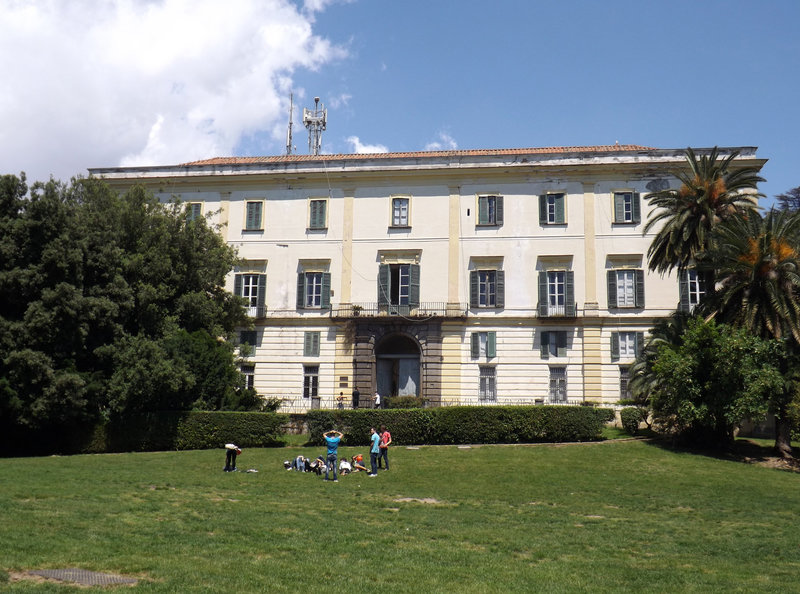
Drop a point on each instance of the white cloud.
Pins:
(365, 149)
(91, 84)
(444, 142)
(340, 100)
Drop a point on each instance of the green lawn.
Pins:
(601, 517)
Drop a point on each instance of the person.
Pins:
(358, 463)
(332, 439)
(345, 467)
(318, 466)
(386, 439)
(374, 450)
(356, 397)
(232, 451)
(377, 399)
(300, 463)
(340, 401)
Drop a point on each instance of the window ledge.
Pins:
(253, 230)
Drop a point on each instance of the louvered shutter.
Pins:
(262, 293)
(543, 209)
(491, 344)
(498, 211)
(301, 290)
(683, 290)
(483, 210)
(639, 343)
(569, 293)
(500, 288)
(413, 287)
(476, 344)
(639, 276)
(474, 300)
(237, 285)
(325, 299)
(614, 346)
(545, 344)
(561, 343)
(542, 294)
(561, 209)
(383, 285)
(619, 207)
(612, 289)
(637, 207)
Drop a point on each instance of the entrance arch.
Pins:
(397, 358)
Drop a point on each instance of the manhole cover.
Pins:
(83, 576)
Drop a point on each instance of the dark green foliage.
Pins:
(405, 402)
(109, 304)
(631, 416)
(464, 424)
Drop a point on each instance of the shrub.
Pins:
(631, 416)
(405, 402)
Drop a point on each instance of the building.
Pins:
(465, 276)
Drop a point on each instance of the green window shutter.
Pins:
(500, 288)
(612, 289)
(614, 346)
(561, 209)
(383, 285)
(413, 285)
(543, 209)
(569, 293)
(561, 343)
(325, 300)
(262, 293)
(637, 207)
(619, 208)
(473, 289)
(545, 344)
(311, 344)
(639, 277)
(639, 343)
(498, 210)
(301, 290)
(491, 344)
(683, 290)
(253, 215)
(483, 210)
(237, 285)
(476, 344)
(317, 214)
(542, 293)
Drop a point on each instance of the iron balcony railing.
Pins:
(428, 309)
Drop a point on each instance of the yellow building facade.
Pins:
(514, 276)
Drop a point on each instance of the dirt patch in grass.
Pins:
(429, 500)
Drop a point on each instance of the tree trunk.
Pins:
(783, 433)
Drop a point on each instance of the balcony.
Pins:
(256, 312)
(547, 310)
(431, 309)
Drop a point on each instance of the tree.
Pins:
(790, 200)
(717, 376)
(712, 190)
(108, 304)
(758, 269)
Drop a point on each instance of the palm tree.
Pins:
(712, 190)
(757, 261)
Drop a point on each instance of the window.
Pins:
(311, 344)
(627, 207)
(557, 293)
(624, 378)
(194, 211)
(400, 212)
(484, 344)
(553, 343)
(552, 209)
(253, 215)
(486, 288)
(626, 344)
(692, 287)
(398, 285)
(490, 210)
(625, 288)
(248, 337)
(317, 214)
(249, 372)
(253, 288)
(558, 384)
(310, 381)
(313, 290)
(488, 384)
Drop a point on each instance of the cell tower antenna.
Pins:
(289, 131)
(316, 121)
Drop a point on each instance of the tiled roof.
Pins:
(420, 154)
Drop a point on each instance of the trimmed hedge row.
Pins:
(464, 424)
(188, 431)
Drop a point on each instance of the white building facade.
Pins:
(512, 276)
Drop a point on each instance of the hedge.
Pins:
(464, 424)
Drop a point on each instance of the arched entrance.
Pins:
(397, 360)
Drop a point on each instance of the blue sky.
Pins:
(504, 74)
(169, 81)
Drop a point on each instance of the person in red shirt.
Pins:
(386, 439)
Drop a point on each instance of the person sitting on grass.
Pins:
(345, 467)
(358, 464)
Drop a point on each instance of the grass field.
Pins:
(601, 517)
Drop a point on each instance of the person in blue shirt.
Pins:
(374, 450)
(332, 439)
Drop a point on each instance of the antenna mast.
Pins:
(289, 132)
(315, 120)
